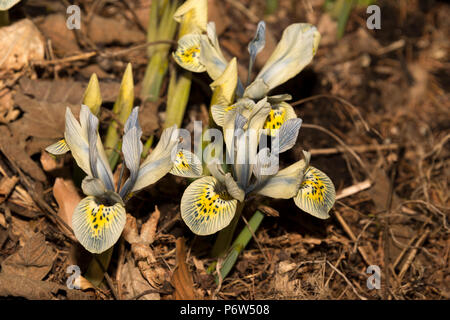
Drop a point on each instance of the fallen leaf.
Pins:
(50, 163)
(15, 152)
(63, 40)
(22, 286)
(21, 43)
(66, 195)
(114, 30)
(68, 91)
(134, 283)
(181, 278)
(7, 184)
(33, 261)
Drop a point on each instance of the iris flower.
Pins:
(201, 52)
(209, 203)
(99, 218)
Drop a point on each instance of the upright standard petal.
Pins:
(210, 54)
(97, 158)
(98, 224)
(187, 54)
(316, 195)
(77, 140)
(206, 207)
(286, 136)
(280, 113)
(132, 150)
(297, 47)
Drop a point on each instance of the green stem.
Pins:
(225, 236)
(95, 271)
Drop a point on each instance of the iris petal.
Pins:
(98, 226)
(58, 148)
(188, 53)
(187, 164)
(316, 195)
(206, 207)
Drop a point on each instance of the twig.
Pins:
(359, 149)
(412, 254)
(352, 236)
(354, 189)
(346, 280)
(88, 55)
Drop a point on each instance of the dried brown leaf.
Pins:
(12, 285)
(13, 149)
(67, 197)
(134, 283)
(182, 278)
(21, 43)
(33, 261)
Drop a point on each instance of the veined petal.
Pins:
(285, 183)
(188, 53)
(193, 15)
(279, 114)
(58, 148)
(159, 162)
(97, 158)
(187, 164)
(287, 135)
(211, 56)
(98, 226)
(76, 139)
(316, 195)
(132, 149)
(206, 207)
(224, 87)
(297, 47)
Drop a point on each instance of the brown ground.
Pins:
(375, 107)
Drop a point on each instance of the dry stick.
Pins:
(88, 55)
(359, 149)
(412, 255)
(341, 257)
(352, 236)
(356, 188)
(346, 280)
(402, 254)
